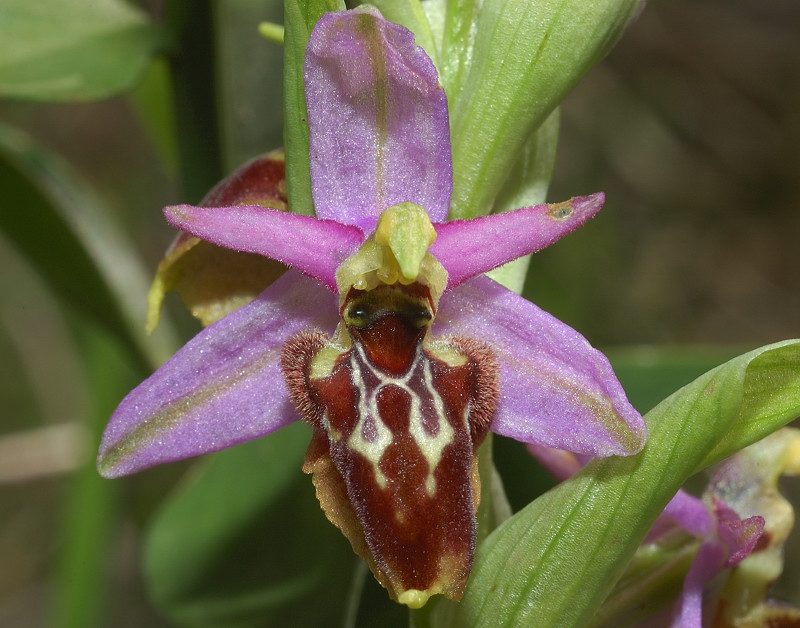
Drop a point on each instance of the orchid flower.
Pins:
(392, 344)
(727, 546)
(725, 540)
(735, 541)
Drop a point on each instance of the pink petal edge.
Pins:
(468, 248)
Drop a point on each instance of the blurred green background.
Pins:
(691, 127)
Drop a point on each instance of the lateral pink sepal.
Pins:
(224, 387)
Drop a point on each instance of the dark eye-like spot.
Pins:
(369, 308)
(419, 317)
(359, 314)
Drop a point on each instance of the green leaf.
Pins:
(763, 409)
(299, 17)
(458, 43)
(80, 584)
(63, 228)
(245, 543)
(554, 562)
(652, 581)
(650, 374)
(527, 185)
(529, 179)
(73, 51)
(195, 89)
(153, 103)
(525, 58)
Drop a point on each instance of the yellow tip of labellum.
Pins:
(414, 598)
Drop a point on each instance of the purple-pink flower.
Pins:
(379, 155)
(734, 535)
(725, 540)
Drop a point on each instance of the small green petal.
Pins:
(406, 229)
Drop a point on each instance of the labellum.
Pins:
(397, 419)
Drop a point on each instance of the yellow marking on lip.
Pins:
(450, 572)
(431, 447)
(414, 598)
(372, 450)
(325, 360)
(447, 353)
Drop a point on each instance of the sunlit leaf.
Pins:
(73, 51)
(514, 82)
(300, 18)
(554, 562)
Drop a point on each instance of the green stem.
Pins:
(90, 512)
(300, 16)
(194, 85)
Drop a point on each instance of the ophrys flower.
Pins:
(402, 375)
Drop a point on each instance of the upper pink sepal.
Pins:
(378, 124)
